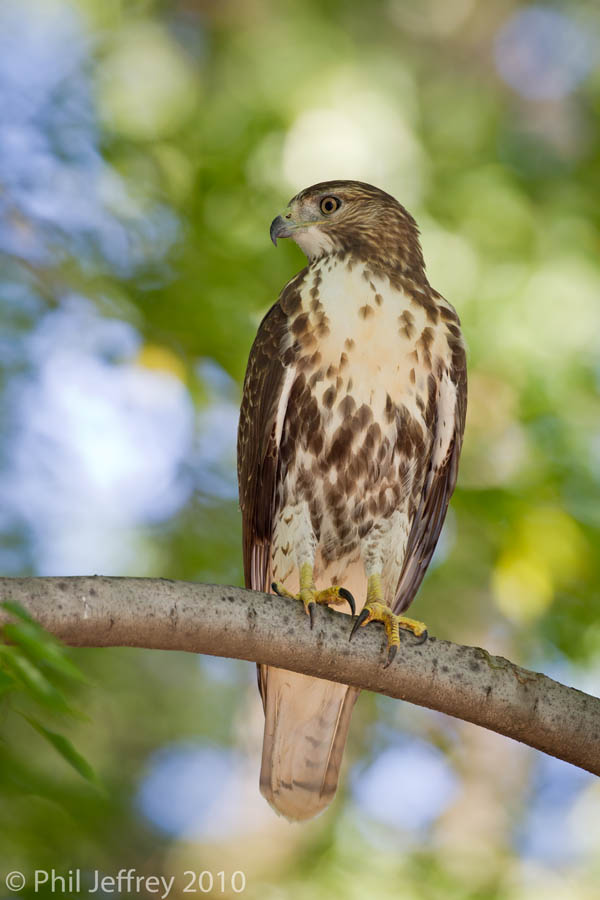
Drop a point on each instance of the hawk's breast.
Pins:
(357, 434)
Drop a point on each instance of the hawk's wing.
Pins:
(269, 378)
(440, 478)
(270, 375)
(266, 390)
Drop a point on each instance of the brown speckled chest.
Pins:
(368, 356)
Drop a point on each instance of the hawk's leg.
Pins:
(309, 595)
(375, 610)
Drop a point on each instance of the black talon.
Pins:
(391, 655)
(348, 596)
(362, 618)
(311, 613)
(422, 638)
(274, 588)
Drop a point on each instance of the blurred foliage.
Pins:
(144, 149)
(35, 673)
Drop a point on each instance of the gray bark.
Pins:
(465, 682)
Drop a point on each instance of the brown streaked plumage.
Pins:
(350, 432)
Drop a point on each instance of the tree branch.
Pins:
(465, 682)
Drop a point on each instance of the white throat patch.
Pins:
(313, 241)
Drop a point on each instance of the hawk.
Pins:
(350, 431)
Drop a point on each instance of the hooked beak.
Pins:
(279, 229)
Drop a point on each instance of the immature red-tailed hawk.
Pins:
(350, 431)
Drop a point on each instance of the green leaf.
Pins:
(36, 644)
(66, 749)
(27, 675)
(17, 610)
(7, 683)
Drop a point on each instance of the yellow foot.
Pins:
(375, 611)
(310, 596)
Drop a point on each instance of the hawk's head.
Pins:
(351, 218)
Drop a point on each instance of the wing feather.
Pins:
(269, 379)
(440, 479)
(259, 432)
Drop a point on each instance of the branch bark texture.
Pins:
(465, 682)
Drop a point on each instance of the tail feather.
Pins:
(306, 725)
(306, 721)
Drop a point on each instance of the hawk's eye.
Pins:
(329, 205)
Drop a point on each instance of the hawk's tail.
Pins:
(306, 725)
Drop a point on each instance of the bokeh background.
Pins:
(145, 147)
